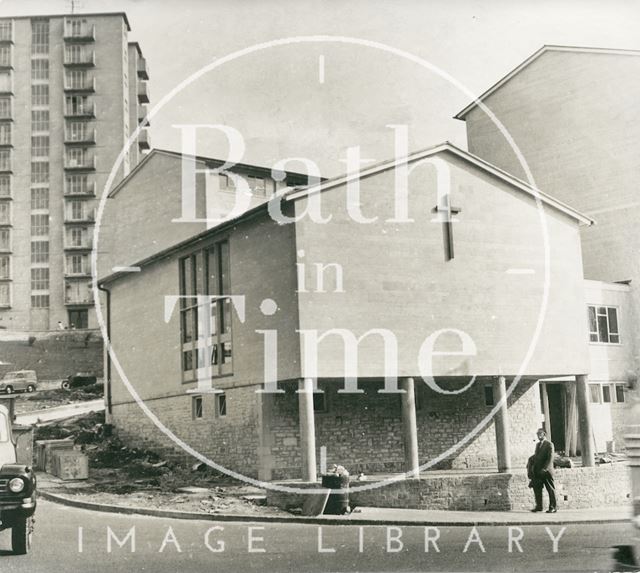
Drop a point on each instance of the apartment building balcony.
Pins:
(81, 59)
(144, 141)
(87, 218)
(85, 110)
(87, 189)
(79, 32)
(143, 110)
(86, 244)
(86, 136)
(6, 33)
(87, 163)
(72, 274)
(143, 70)
(77, 292)
(77, 266)
(143, 92)
(87, 86)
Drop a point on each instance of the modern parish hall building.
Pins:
(72, 90)
(572, 112)
(470, 298)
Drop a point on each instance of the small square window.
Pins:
(620, 393)
(606, 394)
(196, 407)
(319, 402)
(594, 390)
(488, 396)
(221, 405)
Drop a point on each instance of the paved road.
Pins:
(294, 547)
(60, 412)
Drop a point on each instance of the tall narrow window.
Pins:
(5, 134)
(5, 294)
(39, 119)
(40, 278)
(5, 239)
(5, 108)
(40, 37)
(6, 31)
(40, 251)
(5, 185)
(40, 95)
(206, 272)
(5, 56)
(5, 267)
(40, 199)
(5, 213)
(5, 160)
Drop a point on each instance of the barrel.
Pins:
(338, 502)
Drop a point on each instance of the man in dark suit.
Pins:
(542, 472)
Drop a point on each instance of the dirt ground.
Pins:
(134, 477)
(41, 399)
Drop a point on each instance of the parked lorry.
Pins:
(17, 485)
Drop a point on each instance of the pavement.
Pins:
(60, 412)
(49, 488)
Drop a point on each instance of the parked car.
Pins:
(17, 490)
(78, 379)
(19, 381)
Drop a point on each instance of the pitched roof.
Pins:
(292, 194)
(211, 161)
(464, 155)
(535, 56)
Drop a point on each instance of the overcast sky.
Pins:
(275, 96)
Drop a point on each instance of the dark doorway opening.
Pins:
(78, 319)
(556, 397)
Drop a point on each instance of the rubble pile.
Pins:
(119, 474)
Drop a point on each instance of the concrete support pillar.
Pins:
(266, 459)
(584, 421)
(307, 429)
(501, 421)
(409, 427)
(545, 409)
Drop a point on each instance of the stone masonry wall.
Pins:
(578, 488)
(363, 432)
(231, 440)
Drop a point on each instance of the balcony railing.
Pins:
(88, 162)
(73, 296)
(143, 71)
(84, 272)
(79, 33)
(143, 139)
(87, 190)
(87, 86)
(85, 110)
(86, 218)
(86, 244)
(143, 110)
(85, 136)
(143, 92)
(87, 58)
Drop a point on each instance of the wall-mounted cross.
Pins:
(445, 216)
